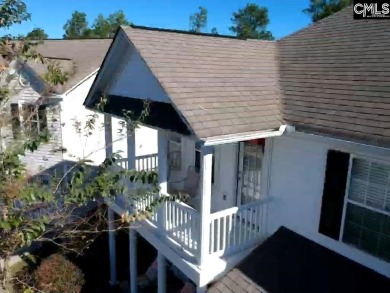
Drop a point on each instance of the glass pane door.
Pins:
(251, 158)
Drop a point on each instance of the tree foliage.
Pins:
(251, 22)
(37, 34)
(67, 209)
(198, 20)
(319, 9)
(77, 26)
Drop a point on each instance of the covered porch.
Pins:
(226, 212)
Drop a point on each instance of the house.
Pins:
(282, 146)
(62, 110)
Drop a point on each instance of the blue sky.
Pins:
(286, 15)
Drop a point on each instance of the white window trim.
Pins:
(346, 196)
(21, 118)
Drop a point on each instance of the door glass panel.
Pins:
(253, 152)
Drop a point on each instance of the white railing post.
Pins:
(112, 245)
(108, 134)
(207, 162)
(133, 259)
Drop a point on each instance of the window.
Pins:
(31, 118)
(34, 119)
(174, 152)
(15, 121)
(367, 208)
(251, 157)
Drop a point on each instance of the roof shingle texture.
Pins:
(221, 86)
(78, 57)
(335, 78)
(287, 262)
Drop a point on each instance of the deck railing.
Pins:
(181, 222)
(237, 228)
(146, 162)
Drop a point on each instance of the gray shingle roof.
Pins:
(79, 57)
(289, 262)
(335, 78)
(220, 85)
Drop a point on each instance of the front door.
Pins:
(251, 154)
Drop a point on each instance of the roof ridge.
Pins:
(180, 32)
(313, 24)
(75, 39)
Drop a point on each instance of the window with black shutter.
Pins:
(356, 203)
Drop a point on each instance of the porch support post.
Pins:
(131, 155)
(162, 277)
(133, 259)
(131, 150)
(201, 289)
(162, 161)
(207, 162)
(108, 134)
(162, 175)
(112, 245)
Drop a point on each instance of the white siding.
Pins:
(137, 81)
(297, 179)
(77, 144)
(48, 154)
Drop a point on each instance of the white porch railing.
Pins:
(181, 223)
(237, 228)
(147, 162)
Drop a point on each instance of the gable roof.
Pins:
(331, 78)
(335, 78)
(220, 85)
(289, 262)
(78, 57)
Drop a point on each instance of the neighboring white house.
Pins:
(63, 111)
(262, 135)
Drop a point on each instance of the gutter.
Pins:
(231, 138)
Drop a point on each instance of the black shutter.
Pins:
(334, 192)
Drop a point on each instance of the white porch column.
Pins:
(112, 245)
(133, 259)
(162, 273)
(162, 174)
(130, 149)
(207, 162)
(108, 134)
(131, 154)
(162, 161)
(201, 289)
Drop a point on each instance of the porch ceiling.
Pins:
(161, 115)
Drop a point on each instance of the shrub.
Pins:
(56, 274)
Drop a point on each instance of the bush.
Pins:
(56, 274)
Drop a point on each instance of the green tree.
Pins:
(251, 22)
(37, 34)
(319, 9)
(34, 212)
(198, 20)
(214, 31)
(77, 26)
(106, 27)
